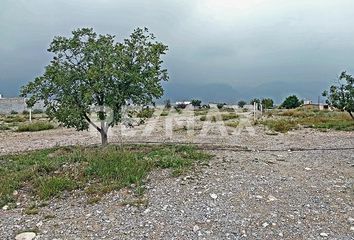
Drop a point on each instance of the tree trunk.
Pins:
(104, 131)
(104, 138)
(351, 114)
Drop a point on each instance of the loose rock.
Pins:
(25, 236)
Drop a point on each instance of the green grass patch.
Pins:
(48, 187)
(165, 112)
(280, 125)
(232, 124)
(200, 112)
(4, 127)
(14, 119)
(229, 116)
(146, 113)
(47, 173)
(35, 127)
(203, 118)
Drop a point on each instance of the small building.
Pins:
(183, 103)
(313, 106)
(307, 102)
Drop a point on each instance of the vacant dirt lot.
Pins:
(256, 194)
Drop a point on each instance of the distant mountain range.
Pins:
(227, 93)
(215, 92)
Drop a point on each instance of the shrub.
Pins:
(241, 103)
(178, 109)
(229, 116)
(232, 124)
(196, 103)
(164, 113)
(145, 113)
(4, 127)
(220, 105)
(37, 111)
(168, 104)
(35, 127)
(13, 112)
(200, 112)
(281, 125)
(14, 119)
(25, 112)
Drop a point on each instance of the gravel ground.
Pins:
(239, 195)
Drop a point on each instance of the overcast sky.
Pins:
(235, 42)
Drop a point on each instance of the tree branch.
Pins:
(92, 123)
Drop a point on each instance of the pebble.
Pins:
(308, 169)
(265, 224)
(5, 207)
(271, 198)
(351, 220)
(25, 236)
(147, 210)
(352, 229)
(196, 228)
(323, 234)
(213, 196)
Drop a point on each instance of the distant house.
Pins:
(312, 106)
(307, 102)
(183, 103)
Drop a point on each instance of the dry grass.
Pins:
(294, 118)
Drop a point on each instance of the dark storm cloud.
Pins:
(274, 44)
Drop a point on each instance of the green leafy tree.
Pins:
(241, 103)
(90, 70)
(258, 101)
(196, 103)
(255, 100)
(168, 104)
(341, 95)
(220, 105)
(267, 103)
(291, 102)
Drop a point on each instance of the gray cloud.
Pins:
(241, 43)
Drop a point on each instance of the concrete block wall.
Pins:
(16, 104)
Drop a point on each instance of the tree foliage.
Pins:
(341, 95)
(241, 103)
(267, 103)
(255, 100)
(168, 104)
(196, 103)
(291, 102)
(94, 70)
